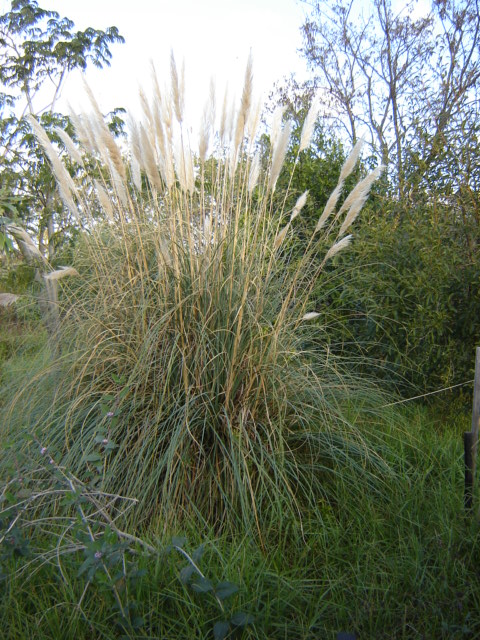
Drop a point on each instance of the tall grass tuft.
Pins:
(186, 342)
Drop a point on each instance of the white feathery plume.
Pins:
(254, 173)
(310, 315)
(178, 88)
(25, 242)
(81, 131)
(345, 171)
(65, 184)
(223, 118)
(300, 203)
(69, 145)
(254, 121)
(276, 125)
(329, 207)
(104, 200)
(361, 190)
(351, 161)
(118, 184)
(359, 198)
(60, 273)
(281, 236)
(309, 125)
(148, 160)
(7, 299)
(136, 172)
(278, 155)
(184, 167)
(245, 103)
(338, 246)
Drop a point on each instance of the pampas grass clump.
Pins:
(183, 379)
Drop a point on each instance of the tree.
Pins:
(38, 51)
(410, 82)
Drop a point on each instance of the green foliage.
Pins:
(39, 46)
(409, 301)
(390, 565)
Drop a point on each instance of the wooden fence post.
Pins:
(470, 439)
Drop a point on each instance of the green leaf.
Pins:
(179, 541)
(241, 619)
(225, 589)
(93, 457)
(186, 573)
(202, 585)
(221, 630)
(84, 566)
(198, 553)
(137, 623)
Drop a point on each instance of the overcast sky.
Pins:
(213, 36)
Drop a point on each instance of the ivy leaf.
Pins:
(220, 630)
(186, 573)
(202, 585)
(198, 553)
(93, 457)
(241, 619)
(225, 589)
(178, 541)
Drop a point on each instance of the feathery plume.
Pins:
(65, 184)
(105, 200)
(184, 167)
(309, 125)
(28, 248)
(6, 299)
(178, 88)
(300, 203)
(345, 171)
(329, 207)
(254, 121)
(281, 236)
(357, 198)
(310, 315)
(61, 273)
(136, 172)
(276, 125)
(148, 160)
(254, 173)
(83, 134)
(245, 103)
(223, 118)
(278, 155)
(69, 145)
(351, 161)
(338, 246)
(207, 123)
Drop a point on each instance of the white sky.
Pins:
(213, 36)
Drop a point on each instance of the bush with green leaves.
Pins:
(406, 296)
(183, 339)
